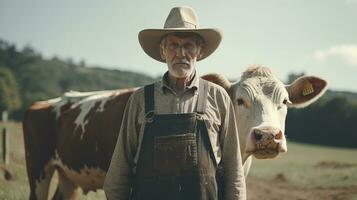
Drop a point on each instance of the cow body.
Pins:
(76, 134)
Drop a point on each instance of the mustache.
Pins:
(182, 61)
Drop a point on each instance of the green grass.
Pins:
(299, 166)
(17, 188)
(310, 166)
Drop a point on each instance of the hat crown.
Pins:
(182, 17)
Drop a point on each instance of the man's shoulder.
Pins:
(139, 93)
(216, 89)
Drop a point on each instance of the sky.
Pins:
(317, 37)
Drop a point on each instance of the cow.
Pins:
(76, 133)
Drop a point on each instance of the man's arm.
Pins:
(119, 178)
(233, 174)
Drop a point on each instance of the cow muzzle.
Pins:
(268, 142)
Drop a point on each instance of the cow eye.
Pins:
(240, 101)
(285, 102)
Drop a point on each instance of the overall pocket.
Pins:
(175, 153)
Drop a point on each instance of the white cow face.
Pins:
(261, 106)
(260, 101)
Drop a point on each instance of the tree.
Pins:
(9, 91)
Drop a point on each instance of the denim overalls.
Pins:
(176, 161)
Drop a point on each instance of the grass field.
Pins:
(304, 172)
(311, 166)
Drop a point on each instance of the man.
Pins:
(177, 132)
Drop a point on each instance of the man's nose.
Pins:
(181, 51)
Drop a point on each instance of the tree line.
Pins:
(25, 77)
(330, 121)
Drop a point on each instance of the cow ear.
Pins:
(218, 79)
(305, 90)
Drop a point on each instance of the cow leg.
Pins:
(66, 190)
(39, 139)
(40, 187)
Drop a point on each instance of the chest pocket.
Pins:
(175, 153)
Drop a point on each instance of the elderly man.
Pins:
(178, 139)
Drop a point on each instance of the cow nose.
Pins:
(267, 133)
(257, 135)
(278, 136)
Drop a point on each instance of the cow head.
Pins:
(261, 101)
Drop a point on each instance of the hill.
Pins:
(38, 78)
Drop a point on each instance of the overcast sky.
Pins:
(318, 37)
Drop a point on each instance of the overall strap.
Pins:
(149, 98)
(202, 96)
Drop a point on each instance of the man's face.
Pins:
(180, 53)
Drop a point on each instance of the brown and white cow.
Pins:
(75, 134)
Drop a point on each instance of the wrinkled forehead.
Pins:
(255, 87)
(182, 36)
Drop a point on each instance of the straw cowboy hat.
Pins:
(180, 19)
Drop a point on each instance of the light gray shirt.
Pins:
(220, 121)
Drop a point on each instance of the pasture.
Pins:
(304, 172)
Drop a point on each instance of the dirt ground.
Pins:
(279, 189)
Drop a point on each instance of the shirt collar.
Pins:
(165, 83)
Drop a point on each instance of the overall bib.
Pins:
(176, 160)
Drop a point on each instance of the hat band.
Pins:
(181, 24)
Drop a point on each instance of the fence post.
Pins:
(5, 146)
(4, 116)
(5, 140)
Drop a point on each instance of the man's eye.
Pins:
(173, 46)
(240, 101)
(188, 45)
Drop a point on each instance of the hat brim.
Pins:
(150, 40)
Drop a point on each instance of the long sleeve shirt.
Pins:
(220, 121)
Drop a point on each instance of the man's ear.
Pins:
(200, 55)
(162, 53)
(305, 90)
